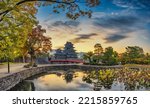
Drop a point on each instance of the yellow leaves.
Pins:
(2, 5)
(100, 72)
(106, 74)
(132, 79)
(15, 26)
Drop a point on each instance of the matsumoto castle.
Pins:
(67, 53)
(65, 56)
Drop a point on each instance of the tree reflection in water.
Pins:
(68, 77)
(106, 79)
(132, 79)
(102, 78)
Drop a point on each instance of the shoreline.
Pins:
(9, 80)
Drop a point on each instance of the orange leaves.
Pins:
(37, 41)
(93, 3)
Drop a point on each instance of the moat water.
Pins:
(79, 80)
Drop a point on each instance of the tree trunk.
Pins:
(90, 60)
(31, 60)
(8, 65)
(23, 59)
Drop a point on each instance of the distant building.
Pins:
(59, 54)
(67, 53)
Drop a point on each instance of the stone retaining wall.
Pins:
(11, 80)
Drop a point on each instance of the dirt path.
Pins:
(13, 68)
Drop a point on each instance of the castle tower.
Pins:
(69, 51)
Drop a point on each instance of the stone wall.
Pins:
(11, 80)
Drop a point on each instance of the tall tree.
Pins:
(88, 56)
(110, 56)
(147, 58)
(14, 27)
(132, 53)
(98, 53)
(98, 49)
(37, 43)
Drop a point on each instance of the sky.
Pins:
(116, 23)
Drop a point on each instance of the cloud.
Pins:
(114, 38)
(86, 36)
(66, 23)
(64, 27)
(120, 22)
(120, 26)
(133, 4)
(83, 37)
(98, 14)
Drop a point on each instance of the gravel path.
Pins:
(13, 68)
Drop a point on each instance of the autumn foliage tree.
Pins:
(17, 18)
(70, 7)
(15, 24)
(37, 43)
